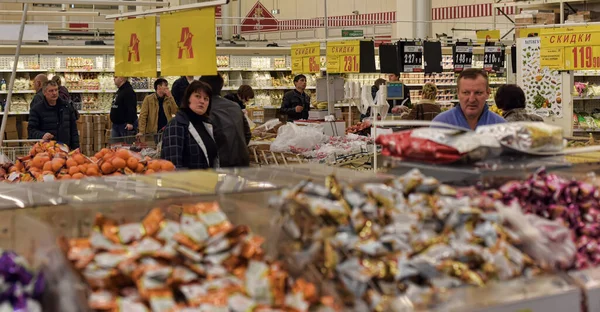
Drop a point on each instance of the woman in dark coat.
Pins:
(188, 140)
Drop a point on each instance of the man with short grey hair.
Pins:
(38, 82)
(53, 119)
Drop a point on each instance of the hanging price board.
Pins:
(463, 57)
(412, 57)
(493, 58)
(343, 56)
(570, 48)
(306, 58)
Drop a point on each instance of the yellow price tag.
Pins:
(552, 58)
(305, 58)
(343, 56)
(582, 58)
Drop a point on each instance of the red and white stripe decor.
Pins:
(467, 11)
(380, 18)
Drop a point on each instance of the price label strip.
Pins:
(306, 58)
(493, 58)
(413, 58)
(463, 58)
(343, 56)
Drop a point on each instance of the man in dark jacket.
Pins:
(232, 132)
(38, 82)
(179, 87)
(244, 94)
(296, 103)
(123, 113)
(52, 119)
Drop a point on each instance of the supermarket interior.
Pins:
(315, 155)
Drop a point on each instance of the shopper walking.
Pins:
(64, 95)
(426, 108)
(123, 113)
(38, 82)
(511, 99)
(296, 103)
(52, 119)
(242, 96)
(403, 105)
(232, 132)
(179, 87)
(188, 140)
(472, 111)
(157, 109)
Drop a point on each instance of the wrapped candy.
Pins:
(21, 288)
(402, 242)
(440, 146)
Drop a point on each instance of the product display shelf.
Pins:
(586, 104)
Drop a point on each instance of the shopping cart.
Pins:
(14, 149)
(146, 144)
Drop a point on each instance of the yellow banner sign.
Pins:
(188, 43)
(135, 47)
(306, 58)
(343, 56)
(571, 47)
(488, 35)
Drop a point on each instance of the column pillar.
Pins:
(226, 22)
(423, 17)
(405, 14)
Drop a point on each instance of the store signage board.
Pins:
(463, 57)
(135, 47)
(571, 48)
(187, 43)
(352, 33)
(10, 32)
(412, 57)
(493, 58)
(343, 56)
(306, 58)
(488, 35)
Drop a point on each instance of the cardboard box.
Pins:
(23, 134)
(547, 18)
(86, 129)
(11, 135)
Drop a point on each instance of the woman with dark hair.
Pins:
(188, 139)
(511, 99)
(242, 96)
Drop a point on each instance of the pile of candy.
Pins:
(201, 261)
(383, 245)
(576, 204)
(21, 289)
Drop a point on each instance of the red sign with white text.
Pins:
(259, 19)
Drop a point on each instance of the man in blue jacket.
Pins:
(472, 111)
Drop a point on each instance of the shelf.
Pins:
(108, 91)
(577, 98)
(267, 88)
(253, 69)
(587, 74)
(24, 70)
(19, 92)
(531, 3)
(448, 84)
(586, 131)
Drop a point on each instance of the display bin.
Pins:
(589, 281)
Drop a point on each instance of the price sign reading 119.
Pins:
(585, 57)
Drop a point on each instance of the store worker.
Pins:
(401, 105)
(157, 109)
(242, 96)
(38, 82)
(188, 140)
(179, 87)
(232, 132)
(472, 111)
(296, 103)
(123, 113)
(426, 108)
(511, 99)
(52, 119)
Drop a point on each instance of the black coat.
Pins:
(124, 106)
(178, 89)
(292, 99)
(234, 98)
(232, 132)
(179, 147)
(37, 98)
(58, 120)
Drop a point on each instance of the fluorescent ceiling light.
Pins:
(51, 13)
(92, 2)
(199, 5)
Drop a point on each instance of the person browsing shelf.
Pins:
(296, 103)
(426, 108)
(242, 96)
(401, 105)
(157, 109)
(179, 87)
(510, 99)
(123, 113)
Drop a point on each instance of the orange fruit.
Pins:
(92, 171)
(37, 162)
(107, 168)
(57, 163)
(132, 163)
(123, 153)
(140, 168)
(78, 176)
(167, 166)
(119, 163)
(149, 171)
(65, 177)
(71, 163)
(73, 170)
(79, 159)
(154, 165)
(82, 168)
(47, 166)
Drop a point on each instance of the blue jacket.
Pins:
(456, 117)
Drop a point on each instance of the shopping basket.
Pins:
(14, 149)
(147, 144)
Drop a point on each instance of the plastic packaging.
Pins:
(526, 136)
(293, 137)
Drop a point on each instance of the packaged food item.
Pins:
(436, 145)
(526, 136)
(22, 289)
